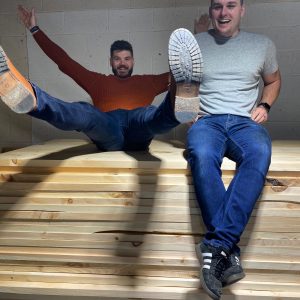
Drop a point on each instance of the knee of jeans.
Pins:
(260, 151)
(202, 157)
(257, 158)
(262, 146)
(261, 158)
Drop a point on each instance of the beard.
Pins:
(116, 73)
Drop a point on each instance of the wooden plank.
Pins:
(251, 249)
(129, 177)
(92, 240)
(90, 290)
(265, 224)
(136, 257)
(293, 286)
(78, 270)
(282, 209)
(109, 178)
(289, 194)
(161, 156)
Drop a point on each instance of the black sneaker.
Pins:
(214, 262)
(234, 272)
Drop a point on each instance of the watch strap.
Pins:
(265, 105)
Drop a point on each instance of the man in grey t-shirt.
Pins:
(230, 125)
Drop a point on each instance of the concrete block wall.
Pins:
(86, 28)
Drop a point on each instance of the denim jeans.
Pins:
(226, 212)
(110, 131)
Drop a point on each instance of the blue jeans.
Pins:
(110, 131)
(226, 212)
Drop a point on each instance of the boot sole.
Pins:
(186, 64)
(185, 58)
(12, 91)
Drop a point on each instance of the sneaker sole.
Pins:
(234, 278)
(186, 64)
(199, 254)
(12, 91)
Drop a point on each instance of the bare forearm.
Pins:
(271, 90)
(270, 93)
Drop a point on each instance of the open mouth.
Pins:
(223, 21)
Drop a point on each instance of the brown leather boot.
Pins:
(15, 91)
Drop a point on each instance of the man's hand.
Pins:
(27, 17)
(201, 24)
(259, 115)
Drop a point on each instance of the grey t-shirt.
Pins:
(232, 71)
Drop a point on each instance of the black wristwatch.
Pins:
(266, 106)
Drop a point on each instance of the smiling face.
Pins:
(122, 63)
(226, 16)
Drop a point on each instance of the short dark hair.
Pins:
(119, 46)
(242, 2)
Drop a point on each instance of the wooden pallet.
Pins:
(79, 224)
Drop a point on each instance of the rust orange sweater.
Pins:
(108, 92)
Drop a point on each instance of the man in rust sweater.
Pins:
(108, 92)
(122, 117)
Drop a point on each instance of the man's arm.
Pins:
(272, 84)
(65, 63)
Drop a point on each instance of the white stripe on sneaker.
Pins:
(207, 254)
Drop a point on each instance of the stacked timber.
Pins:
(80, 224)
